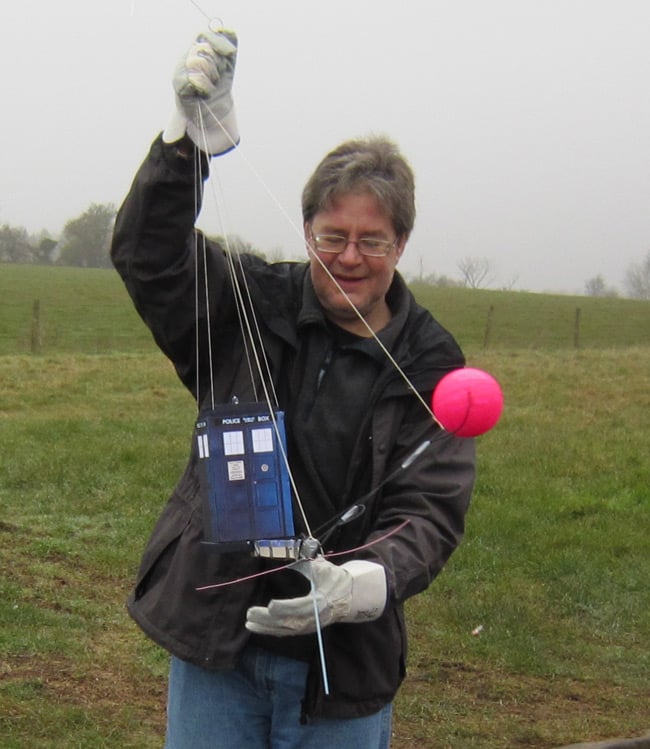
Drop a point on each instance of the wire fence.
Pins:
(109, 324)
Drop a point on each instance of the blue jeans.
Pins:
(257, 706)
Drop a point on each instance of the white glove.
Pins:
(202, 82)
(352, 592)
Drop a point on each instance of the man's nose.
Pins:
(351, 255)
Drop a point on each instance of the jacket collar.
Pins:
(422, 348)
(312, 313)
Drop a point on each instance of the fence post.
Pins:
(576, 329)
(488, 327)
(36, 340)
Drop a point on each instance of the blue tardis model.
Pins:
(245, 481)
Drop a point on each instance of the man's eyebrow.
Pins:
(372, 233)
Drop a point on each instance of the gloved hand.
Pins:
(352, 592)
(202, 82)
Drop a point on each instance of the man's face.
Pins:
(363, 280)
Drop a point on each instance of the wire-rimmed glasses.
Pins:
(335, 244)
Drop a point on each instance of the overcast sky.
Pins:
(527, 122)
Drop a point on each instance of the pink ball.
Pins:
(467, 402)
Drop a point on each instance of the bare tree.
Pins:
(509, 285)
(475, 271)
(597, 286)
(637, 279)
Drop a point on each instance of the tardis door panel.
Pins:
(246, 486)
(266, 495)
(226, 468)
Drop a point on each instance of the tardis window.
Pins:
(233, 443)
(262, 440)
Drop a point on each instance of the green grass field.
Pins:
(86, 311)
(554, 567)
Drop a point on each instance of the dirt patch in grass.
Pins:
(112, 690)
(450, 706)
(457, 705)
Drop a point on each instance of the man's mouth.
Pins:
(348, 283)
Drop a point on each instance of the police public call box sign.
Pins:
(245, 484)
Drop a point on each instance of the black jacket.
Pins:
(154, 249)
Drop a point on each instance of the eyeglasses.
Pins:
(335, 244)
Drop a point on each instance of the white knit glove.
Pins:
(352, 592)
(202, 83)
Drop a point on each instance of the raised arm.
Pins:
(155, 244)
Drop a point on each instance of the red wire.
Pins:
(287, 566)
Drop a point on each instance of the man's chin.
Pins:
(344, 310)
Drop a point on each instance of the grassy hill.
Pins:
(80, 310)
(554, 567)
(481, 318)
(88, 311)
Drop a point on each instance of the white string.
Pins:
(199, 187)
(228, 255)
(315, 255)
(267, 366)
(245, 317)
(389, 356)
(200, 9)
(293, 563)
(197, 337)
(248, 334)
(237, 288)
(319, 632)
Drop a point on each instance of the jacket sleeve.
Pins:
(154, 249)
(429, 499)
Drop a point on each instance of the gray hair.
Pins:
(372, 165)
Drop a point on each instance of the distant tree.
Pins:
(236, 245)
(596, 286)
(239, 246)
(43, 247)
(637, 279)
(475, 271)
(85, 240)
(14, 245)
(440, 280)
(276, 255)
(509, 285)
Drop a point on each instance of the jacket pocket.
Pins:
(173, 522)
(171, 525)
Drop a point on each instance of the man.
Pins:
(352, 360)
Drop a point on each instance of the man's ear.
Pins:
(401, 245)
(306, 230)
